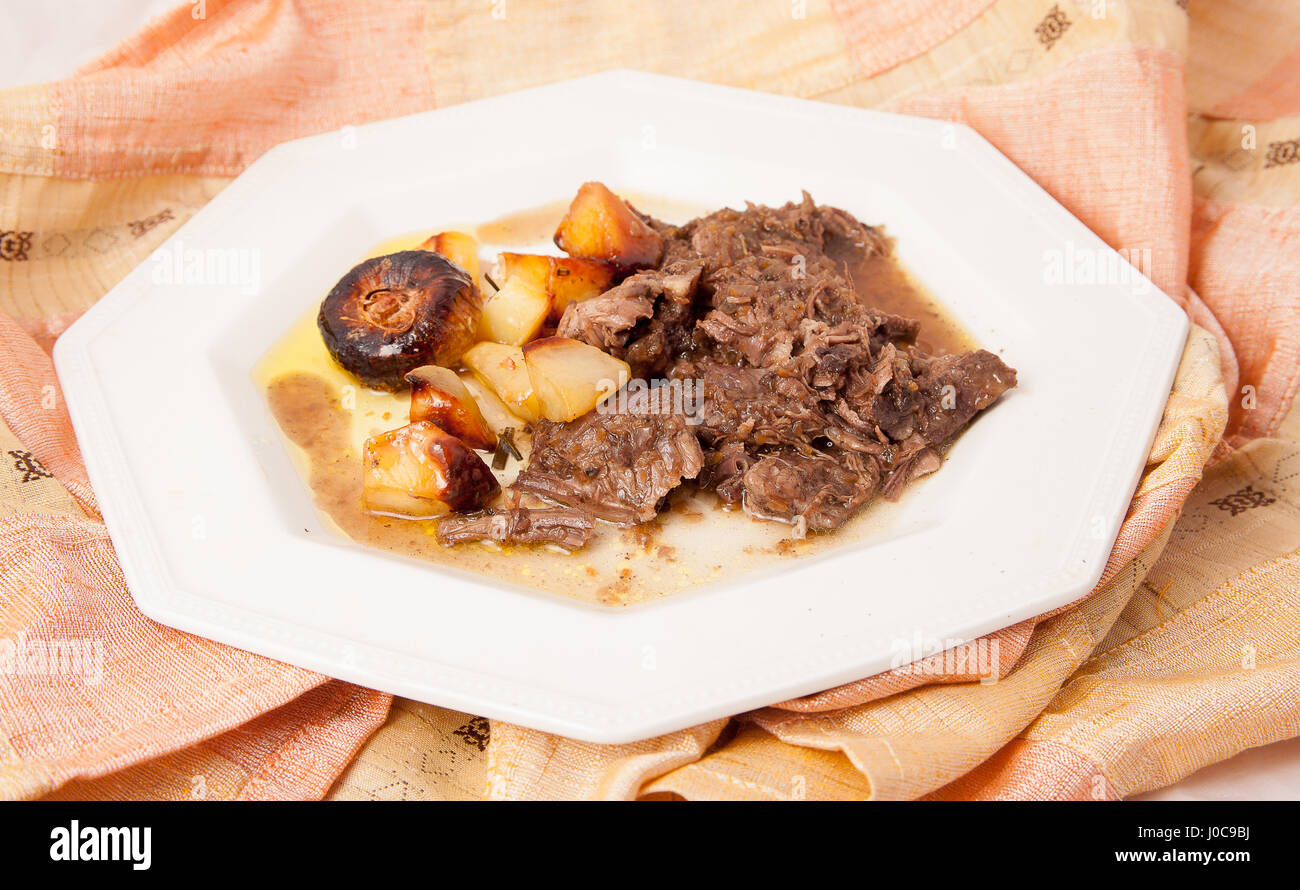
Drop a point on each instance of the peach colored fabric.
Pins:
(1276, 94)
(310, 66)
(1245, 70)
(1243, 249)
(26, 380)
(100, 168)
(1243, 57)
(1009, 644)
(1201, 669)
(1031, 771)
(295, 751)
(89, 686)
(880, 35)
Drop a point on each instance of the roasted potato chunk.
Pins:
(458, 247)
(565, 279)
(502, 370)
(571, 377)
(419, 471)
(438, 395)
(514, 314)
(601, 226)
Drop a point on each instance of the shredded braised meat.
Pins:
(564, 526)
(813, 401)
(617, 467)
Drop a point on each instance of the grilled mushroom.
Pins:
(394, 313)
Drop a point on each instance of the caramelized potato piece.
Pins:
(502, 370)
(601, 226)
(514, 314)
(573, 280)
(532, 268)
(566, 279)
(418, 471)
(571, 377)
(438, 395)
(458, 247)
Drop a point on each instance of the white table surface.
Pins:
(46, 41)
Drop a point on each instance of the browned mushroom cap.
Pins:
(394, 313)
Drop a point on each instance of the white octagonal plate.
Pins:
(1020, 519)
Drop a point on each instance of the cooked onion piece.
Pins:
(438, 395)
(601, 226)
(458, 247)
(495, 413)
(566, 279)
(502, 369)
(393, 313)
(571, 377)
(418, 471)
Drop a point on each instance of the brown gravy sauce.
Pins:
(693, 543)
(678, 549)
(884, 284)
(311, 416)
